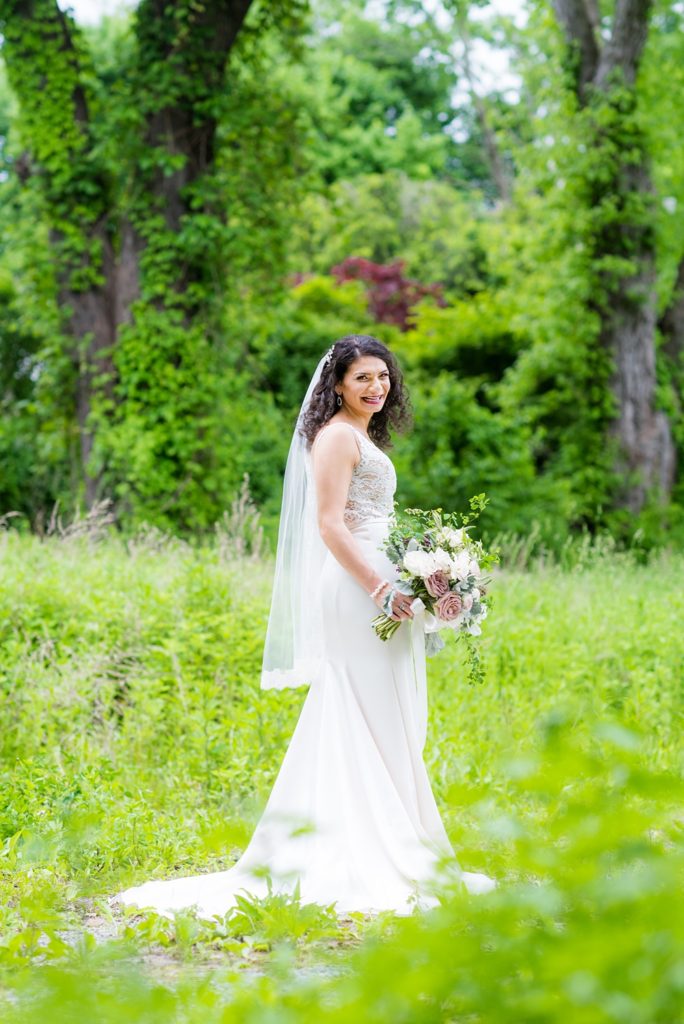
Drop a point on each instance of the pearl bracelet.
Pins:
(380, 586)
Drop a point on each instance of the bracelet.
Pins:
(380, 586)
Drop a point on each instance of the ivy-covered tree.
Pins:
(602, 61)
(132, 174)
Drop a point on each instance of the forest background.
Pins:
(197, 198)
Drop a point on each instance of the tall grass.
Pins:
(135, 743)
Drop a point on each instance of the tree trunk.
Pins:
(97, 314)
(647, 454)
(627, 307)
(91, 326)
(185, 128)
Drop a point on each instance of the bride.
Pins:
(351, 819)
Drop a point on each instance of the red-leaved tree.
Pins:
(391, 295)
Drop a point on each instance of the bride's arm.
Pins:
(334, 456)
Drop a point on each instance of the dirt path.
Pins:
(165, 960)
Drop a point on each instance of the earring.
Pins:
(339, 401)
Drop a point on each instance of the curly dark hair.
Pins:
(395, 412)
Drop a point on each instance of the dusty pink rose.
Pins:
(449, 606)
(437, 584)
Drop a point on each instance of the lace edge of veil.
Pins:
(303, 674)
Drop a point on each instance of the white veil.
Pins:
(294, 649)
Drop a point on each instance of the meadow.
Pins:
(135, 743)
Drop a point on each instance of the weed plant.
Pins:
(135, 743)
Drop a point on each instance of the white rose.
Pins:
(473, 568)
(460, 564)
(442, 560)
(467, 602)
(454, 538)
(419, 563)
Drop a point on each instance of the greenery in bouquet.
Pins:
(444, 570)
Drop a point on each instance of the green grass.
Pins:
(135, 743)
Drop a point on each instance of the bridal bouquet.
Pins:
(444, 570)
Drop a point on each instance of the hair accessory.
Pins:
(329, 354)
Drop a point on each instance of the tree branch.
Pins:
(627, 40)
(491, 146)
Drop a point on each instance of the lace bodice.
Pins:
(373, 483)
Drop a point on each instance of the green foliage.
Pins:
(358, 147)
(458, 447)
(74, 186)
(315, 313)
(139, 746)
(431, 225)
(376, 95)
(558, 385)
(658, 116)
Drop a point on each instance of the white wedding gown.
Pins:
(351, 818)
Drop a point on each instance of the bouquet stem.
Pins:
(384, 626)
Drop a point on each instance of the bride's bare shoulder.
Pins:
(336, 440)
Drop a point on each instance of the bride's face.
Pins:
(365, 385)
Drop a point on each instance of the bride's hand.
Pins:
(401, 604)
